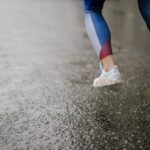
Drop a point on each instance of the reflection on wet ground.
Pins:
(47, 67)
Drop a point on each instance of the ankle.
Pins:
(108, 67)
(108, 63)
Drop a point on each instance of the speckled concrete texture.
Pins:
(47, 65)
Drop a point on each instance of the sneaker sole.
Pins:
(105, 82)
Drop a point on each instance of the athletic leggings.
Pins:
(97, 28)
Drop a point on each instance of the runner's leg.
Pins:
(144, 6)
(99, 34)
(97, 28)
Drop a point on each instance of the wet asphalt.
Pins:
(47, 65)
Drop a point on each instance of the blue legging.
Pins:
(98, 29)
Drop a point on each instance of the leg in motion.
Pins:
(144, 6)
(99, 34)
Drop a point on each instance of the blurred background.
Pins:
(47, 66)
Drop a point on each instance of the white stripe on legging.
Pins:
(92, 33)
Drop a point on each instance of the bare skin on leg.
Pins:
(108, 63)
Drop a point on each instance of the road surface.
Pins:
(47, 65)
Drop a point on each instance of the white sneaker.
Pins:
(108, 78)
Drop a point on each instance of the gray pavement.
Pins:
(46, 69)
